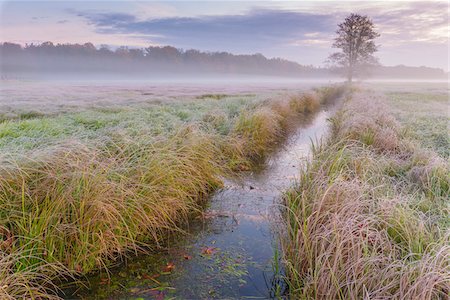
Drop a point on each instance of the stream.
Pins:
(233, 252)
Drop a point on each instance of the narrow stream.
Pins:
(231, 253)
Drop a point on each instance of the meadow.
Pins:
(369, 216)
(91, 175)
(84, 184)
(424, 115)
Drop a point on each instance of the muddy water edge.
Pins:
(232, 252)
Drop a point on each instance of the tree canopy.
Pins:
(355, 38)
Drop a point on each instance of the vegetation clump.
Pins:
(83, 206)
(369, 215)
(213, 96)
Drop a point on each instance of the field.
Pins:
(369, 217)
(94, 173)
(84, 183)
(425, 117)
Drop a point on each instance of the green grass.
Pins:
(212, 96)
(20, 135)
(80, 190)
(369, 217)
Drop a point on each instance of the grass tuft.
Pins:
(368, 218)
(84, 205)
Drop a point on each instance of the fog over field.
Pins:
(224, 150)
(152, 40)
(48, 61)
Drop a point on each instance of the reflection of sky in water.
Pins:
(238, 230)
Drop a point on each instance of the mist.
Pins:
(48, 61)
(224, 150)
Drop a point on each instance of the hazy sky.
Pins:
(412, 33)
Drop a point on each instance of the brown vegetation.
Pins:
(83, 207)
(369, 216)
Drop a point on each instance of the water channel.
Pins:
(232, 252)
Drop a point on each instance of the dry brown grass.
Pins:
(84, 206)
(20, 282)
(358, 226)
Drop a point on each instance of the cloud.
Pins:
(398, 24)
(412, 32)
(414, 21)
(259, 28)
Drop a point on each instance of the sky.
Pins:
(413, 33)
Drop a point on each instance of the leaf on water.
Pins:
(187, 257)
(209, 250)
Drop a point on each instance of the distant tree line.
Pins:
(49, 57)
(86, 59)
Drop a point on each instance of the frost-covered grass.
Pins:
(425, 116)
(369, 217)
(93, 124)
(81, 188)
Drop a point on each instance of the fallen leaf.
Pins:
(187, 257)
(209, 250)
(169, 267)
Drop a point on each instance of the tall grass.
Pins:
(368, 218)
(33, 282)
(263, 128)
(85, 205)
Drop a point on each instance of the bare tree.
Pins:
(355, 38)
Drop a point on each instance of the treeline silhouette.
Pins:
(48, 59)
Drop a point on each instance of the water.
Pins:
(231, 252)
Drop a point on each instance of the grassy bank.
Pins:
(369, 218)
(82, 197)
